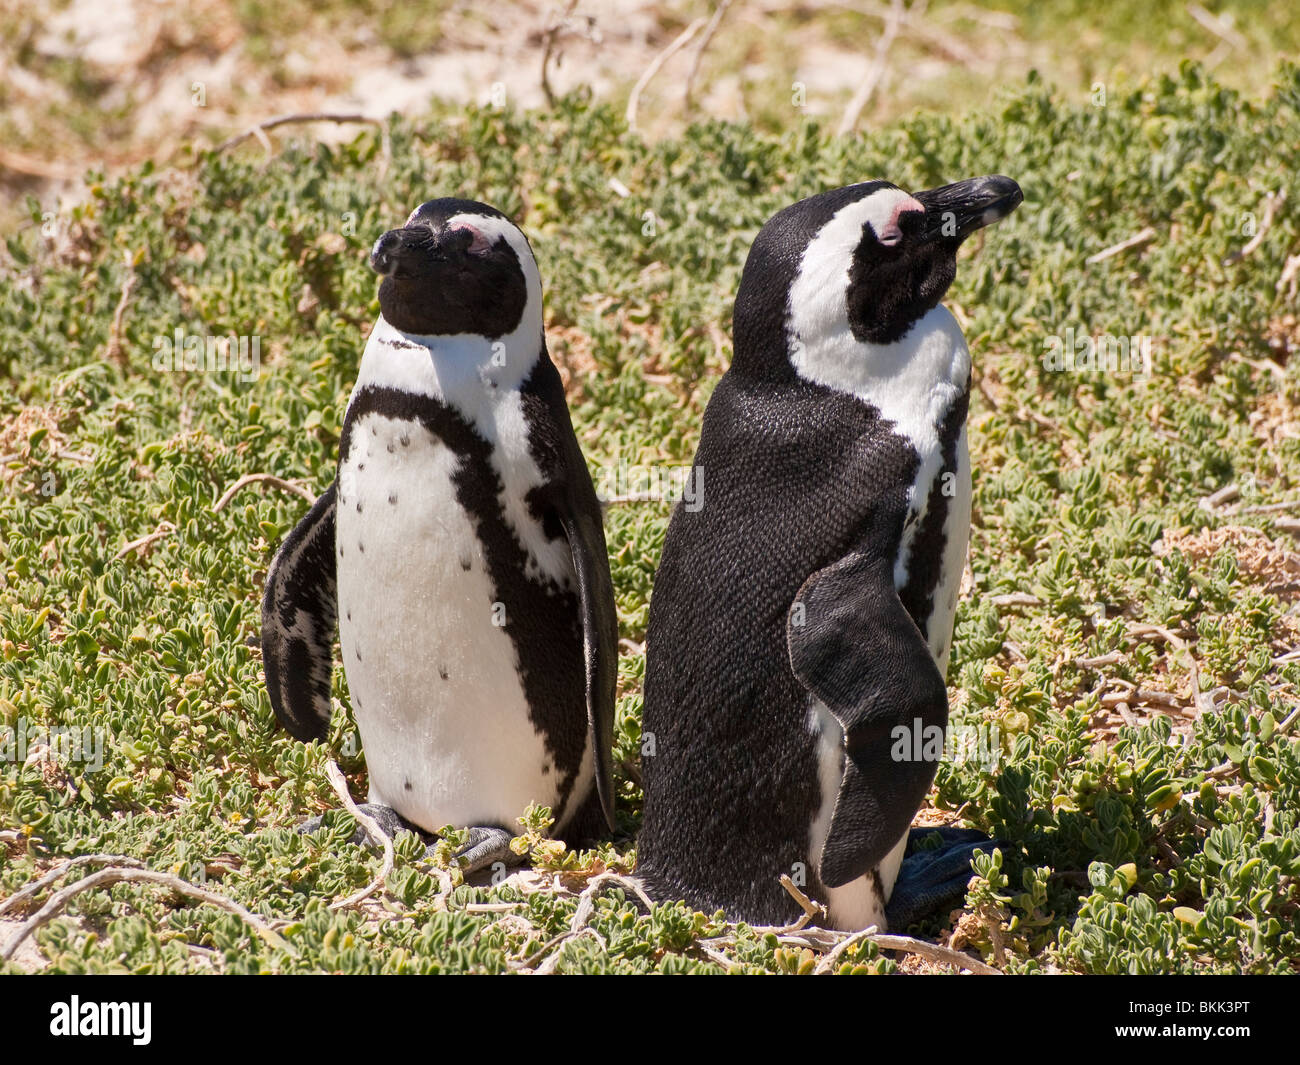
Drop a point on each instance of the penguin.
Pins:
(461, 553)
(801, 616)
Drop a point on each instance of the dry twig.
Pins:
(876, 72)
(113, 349)
(259, 478)
(165, 528)
(61, 870)
(1134, 241)
(656, 64)
(121, 873)
(552, 32)
(377, 834)
(1271, 203)
(712, 28)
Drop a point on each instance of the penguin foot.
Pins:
(932, 876)
(486, 847)
(388, 819)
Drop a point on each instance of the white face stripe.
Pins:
(912, 382)
(481, 379)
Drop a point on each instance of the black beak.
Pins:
(413, 251)
(954, 212)
(392, 254)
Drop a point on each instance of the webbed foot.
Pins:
(487, 845)
(932, 876)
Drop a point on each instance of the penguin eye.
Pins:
(478, 244)
(890, 235)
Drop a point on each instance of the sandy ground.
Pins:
(166, 76)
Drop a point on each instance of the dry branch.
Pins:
(262, 478)
(377, 834)
(1134, 241)
(656, 64)
(712, 28)
(118, 874)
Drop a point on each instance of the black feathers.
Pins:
(299, 611)
(797, 478)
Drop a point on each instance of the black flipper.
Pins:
(570, 497)
(599, 641)
(299, 613)
(854, 646)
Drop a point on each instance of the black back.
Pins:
(799, 482)
(794, 477)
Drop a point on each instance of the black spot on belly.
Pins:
(349, 615)
(361, 465)
(466, 563)
(406, 784)
(406, 439)
(358, 654)
(544, 514)
(361, 547)
(358, 506)
(442, 672)
(392, 498)
(546, 770)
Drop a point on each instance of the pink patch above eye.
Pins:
(890, 233)
(480, 244)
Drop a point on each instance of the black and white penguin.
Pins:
(461, 552)
(803, 613)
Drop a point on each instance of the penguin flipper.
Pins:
(855, 648)
(599, 640)
(299, 613)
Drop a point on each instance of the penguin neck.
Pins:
(913, 382)
(465, 370)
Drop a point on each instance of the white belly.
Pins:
(432, 673)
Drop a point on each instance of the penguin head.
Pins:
(458, 267)
(855, 269)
